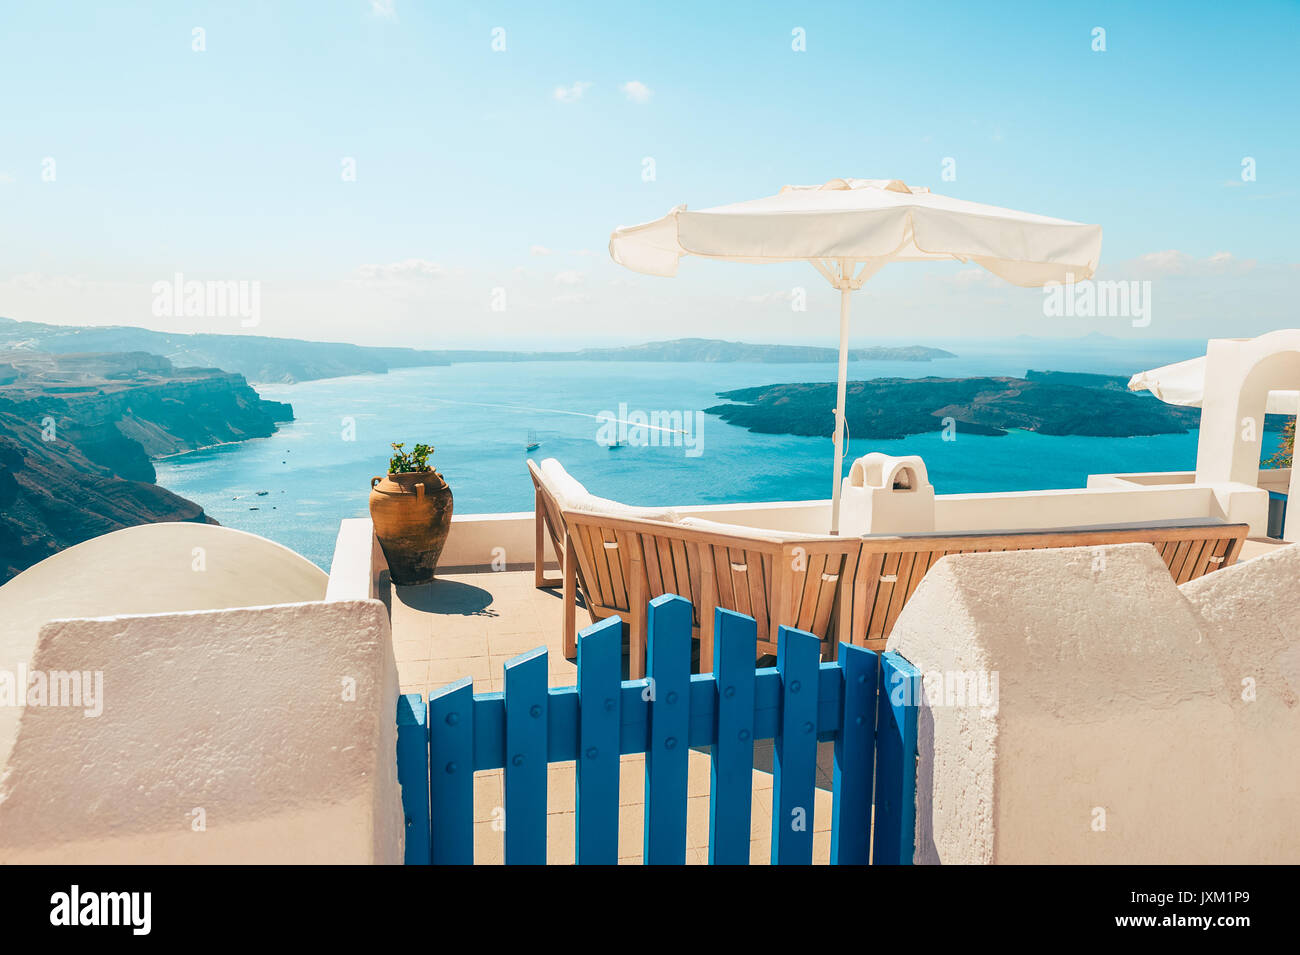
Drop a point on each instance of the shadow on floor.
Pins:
(449, 597)
(764, 760)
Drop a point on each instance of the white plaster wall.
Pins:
(800, 517)
(1141, 479)
(1242, 504)
(353, 574)
(1252, 615)
(1109, 699)
(244, 713)
(473, 538)
(153, 568)
(1070, 508)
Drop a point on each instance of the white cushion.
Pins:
(592, 504)
(572, 496)
(563, 485)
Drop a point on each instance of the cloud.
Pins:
(571, 94)
(405, 269)
(539, 250)
(569, 278)
(1176, 262)
(636, 91)
(572, 298)
(5, 178)
(46, 282)
(384, 9)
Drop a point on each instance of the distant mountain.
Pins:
(256, 357)
(262, 359)
(712, 349)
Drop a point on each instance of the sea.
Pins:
(295, 486)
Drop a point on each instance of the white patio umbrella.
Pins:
(1183, 383)
(849, 229)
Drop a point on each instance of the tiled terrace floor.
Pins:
(469, 625)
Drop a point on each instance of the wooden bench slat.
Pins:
(811, 586)
(614, 560)
(905, 564)
(653, 575)
(757, 591)
(1188, 570)
(682, 568)
(884, 594)
(825, 602)
(738, 573)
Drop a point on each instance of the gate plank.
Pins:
(413, 774)
(854, 758)
(451, 777)
(600, 652)
(897, 706)
(667, 753)
(732, 777)
(794, 773)
(525, 772)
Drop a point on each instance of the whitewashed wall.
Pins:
(1116, 732)
(225, 731)
(255, 735)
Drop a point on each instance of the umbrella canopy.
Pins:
(866, 221)
(851, 228)
(1183, 383)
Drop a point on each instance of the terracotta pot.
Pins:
(411, 512)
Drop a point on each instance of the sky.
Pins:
(448, 174)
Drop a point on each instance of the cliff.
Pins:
(77, 433)
(897, 407)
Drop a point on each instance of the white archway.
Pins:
(1239, 374)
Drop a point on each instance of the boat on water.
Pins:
(532, 444)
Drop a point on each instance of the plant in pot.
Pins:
(411, 513)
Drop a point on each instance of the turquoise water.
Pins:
(316, 470)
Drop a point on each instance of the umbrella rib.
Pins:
(826, 270)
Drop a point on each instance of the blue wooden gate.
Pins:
(866, 703)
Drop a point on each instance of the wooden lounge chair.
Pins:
(548, 521)
(622, 564)
(890, 568)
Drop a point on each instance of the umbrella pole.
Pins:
(838, 439)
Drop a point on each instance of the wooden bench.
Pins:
(841, 589)
(622, 564)
(618, 565)
(890, 568)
